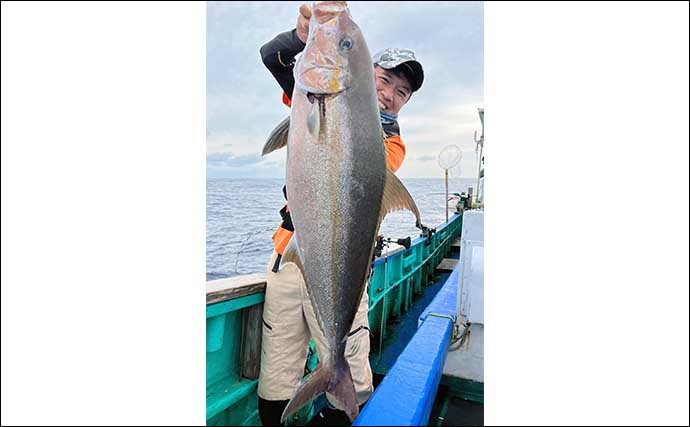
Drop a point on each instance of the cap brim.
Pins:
(417, 73)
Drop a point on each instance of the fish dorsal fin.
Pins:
(290, 254)
(396, 197)
(278, 137)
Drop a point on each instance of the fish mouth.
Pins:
(315, 97)
(321, 96)
(320, 99)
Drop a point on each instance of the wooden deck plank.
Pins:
(235, 287)
(448, 264)
(456, 243)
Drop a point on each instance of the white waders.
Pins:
(288, 324)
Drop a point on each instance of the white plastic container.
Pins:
(471, 286)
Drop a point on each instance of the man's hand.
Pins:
(303, 22)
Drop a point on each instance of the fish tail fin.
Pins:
(338, 382)
(344, 391)
(316, 384)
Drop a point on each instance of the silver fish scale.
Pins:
(336, 210)
(336, 175)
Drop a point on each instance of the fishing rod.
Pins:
(249, 236)
(382, 242)
(449, 196)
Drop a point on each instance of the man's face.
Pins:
(392, 91)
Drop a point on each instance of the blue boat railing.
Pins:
(406, 395)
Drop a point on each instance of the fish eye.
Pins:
(345, 44)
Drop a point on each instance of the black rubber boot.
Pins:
(270, 411)
(336, 417)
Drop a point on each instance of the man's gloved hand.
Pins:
(303, 21)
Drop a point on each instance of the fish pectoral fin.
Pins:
(314, 121)
(278, 137)
(396, 197)
(290, 254)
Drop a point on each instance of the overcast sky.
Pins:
(243, 101)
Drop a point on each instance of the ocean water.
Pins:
(242, 214)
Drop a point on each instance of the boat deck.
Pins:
(450, 410)
(403, 284)
(383, 355)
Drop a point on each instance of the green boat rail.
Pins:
(234, 307)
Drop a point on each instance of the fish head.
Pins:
(335, 44)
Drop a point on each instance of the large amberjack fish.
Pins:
(338, 187)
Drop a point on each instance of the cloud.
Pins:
(228, 160)
(237, 141)
(243, 102)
